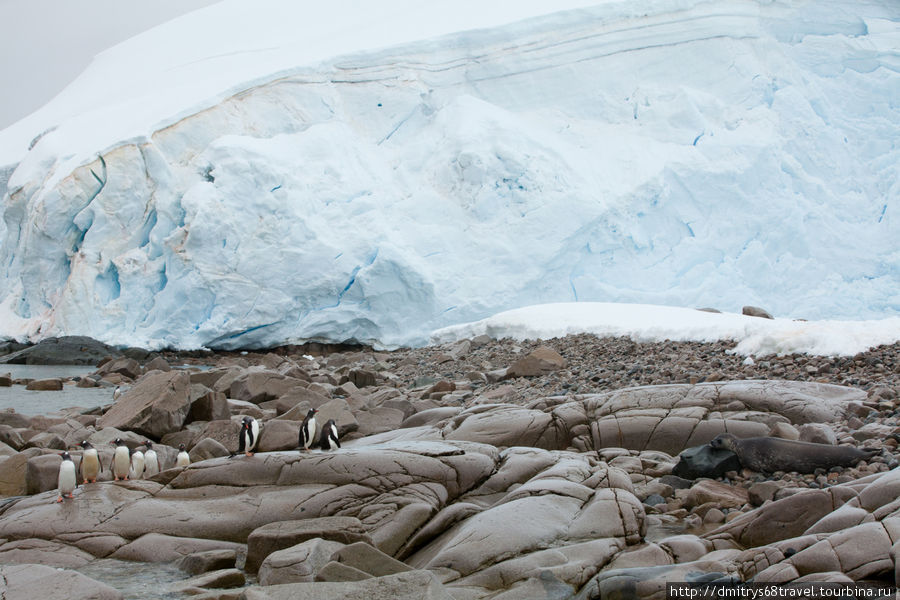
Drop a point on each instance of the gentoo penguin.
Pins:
(117, 392)
(66, 480)
(137, 465)
(329, 438)
(308, 429)
(90, 463)
(151, 461)
(183, 459)
(121, 461)
(249, 435)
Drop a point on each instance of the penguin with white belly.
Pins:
(151, 461)
(249, 435)
(137, 465)
(329, 438)
(308, 429)
(183, 459)
(121, 461)
(66, 480)
(90, 463)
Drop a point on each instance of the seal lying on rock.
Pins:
(768, 454)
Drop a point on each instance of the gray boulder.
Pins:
(284, 534)
(21, 582)
(158, 404)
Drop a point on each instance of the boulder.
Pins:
(284, 534)
(12, 437)
(127, 367)
(157, 547)
(817, 433)
(207, 448)
(45, 385)
(157, 404)
(46, 440)
(209, 560)
(12, 473)
(42, 473)
(279, 435)
(362, 378)
(9, 417)
(369, 559)
(755, 311)
(720, 494)
(297, 563)
(68, 350)
(158, 363)
(223, 578)
(541, 361)
(43, 552)
(212, 406)
(335, 571)
(22, 581)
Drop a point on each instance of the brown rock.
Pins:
(156, 547)
(298, 563)
(210, 560)
(207, 448)
(284, 534)
(721, 494)
(12, 473)
(41, 473)
(223, 578)
(370, 560)
(279, 435)
(540, 362)
(22, 581)
(335, 571)
(45, 385)
(6, 380)
(755, 311)
(127, 367)
(212, 406)
(11, 418)
(157, 364)
(157, 404)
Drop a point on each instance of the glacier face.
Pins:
(689, 153)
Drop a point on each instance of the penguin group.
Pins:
(136, 464)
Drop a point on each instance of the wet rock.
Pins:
(156, 547)
(209, 560)
(284, 534)
(157, 404)
(223, 578)
(69, 350)
(6, 380)
(43, 552)
(21, 581)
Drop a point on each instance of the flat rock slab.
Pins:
(26, 582)
(412, 585)
(158, 404)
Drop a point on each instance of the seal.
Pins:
(768, 454)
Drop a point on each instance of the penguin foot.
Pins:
(58, 500)
(249, 454)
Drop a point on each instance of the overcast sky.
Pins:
(45, 44)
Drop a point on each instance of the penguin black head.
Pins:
(65, 455)
(149, 444)
(86, 445)
(246, 422)
(310, 413)
(181, 447)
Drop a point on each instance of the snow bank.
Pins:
(645, 323)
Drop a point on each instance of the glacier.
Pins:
(445, 166)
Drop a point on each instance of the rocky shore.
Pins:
(479, 469)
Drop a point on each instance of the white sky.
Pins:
(45, 44)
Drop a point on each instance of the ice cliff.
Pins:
(683, 153)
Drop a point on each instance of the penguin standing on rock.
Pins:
(151, 461)
(329, 438)
(90, 463)
(117, 392)
(249, 435)
(137, 465)
(183, 459)
(121, 461)
(308, 429)
(66, 480)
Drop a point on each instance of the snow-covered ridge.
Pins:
(692, 153)
(753, 336)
